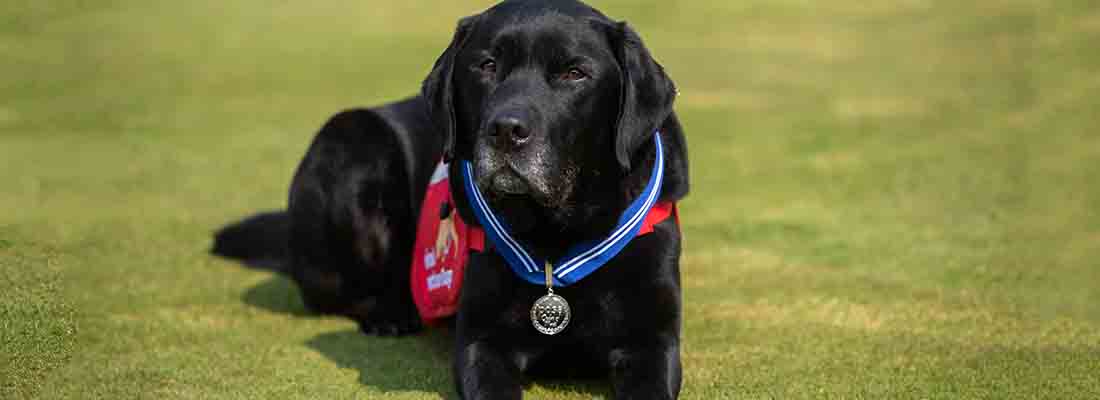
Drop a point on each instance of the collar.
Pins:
(582, 258)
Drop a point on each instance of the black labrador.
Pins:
(555, 107)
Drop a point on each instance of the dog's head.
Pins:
(549, 100)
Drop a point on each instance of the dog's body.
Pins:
(555, 107)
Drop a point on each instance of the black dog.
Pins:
(554, 106)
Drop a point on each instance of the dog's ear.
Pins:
(438, 87)
(647, 93)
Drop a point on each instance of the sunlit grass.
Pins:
(890, 200)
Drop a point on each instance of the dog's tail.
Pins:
(259, 241)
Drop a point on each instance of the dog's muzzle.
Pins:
(507, 182)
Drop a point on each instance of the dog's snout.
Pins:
(512, 129)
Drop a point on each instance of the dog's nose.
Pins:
(512, 129)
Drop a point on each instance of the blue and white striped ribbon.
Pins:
(582, 259)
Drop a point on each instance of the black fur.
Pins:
(558, 152)
(259, 240)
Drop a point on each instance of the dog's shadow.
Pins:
(276, 294)
(417, 363)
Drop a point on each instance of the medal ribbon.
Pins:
(581, 259)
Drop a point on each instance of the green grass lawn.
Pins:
(894, 199)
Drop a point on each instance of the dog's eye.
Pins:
(489, 67)
(574, 75)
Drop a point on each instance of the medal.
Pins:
(550, 314)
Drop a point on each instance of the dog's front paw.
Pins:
(390, 326)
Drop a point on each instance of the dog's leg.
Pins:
(646, 371)
(390, 314)
(482, 372)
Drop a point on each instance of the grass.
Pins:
(891, 200)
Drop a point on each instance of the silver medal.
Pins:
(550, 314)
